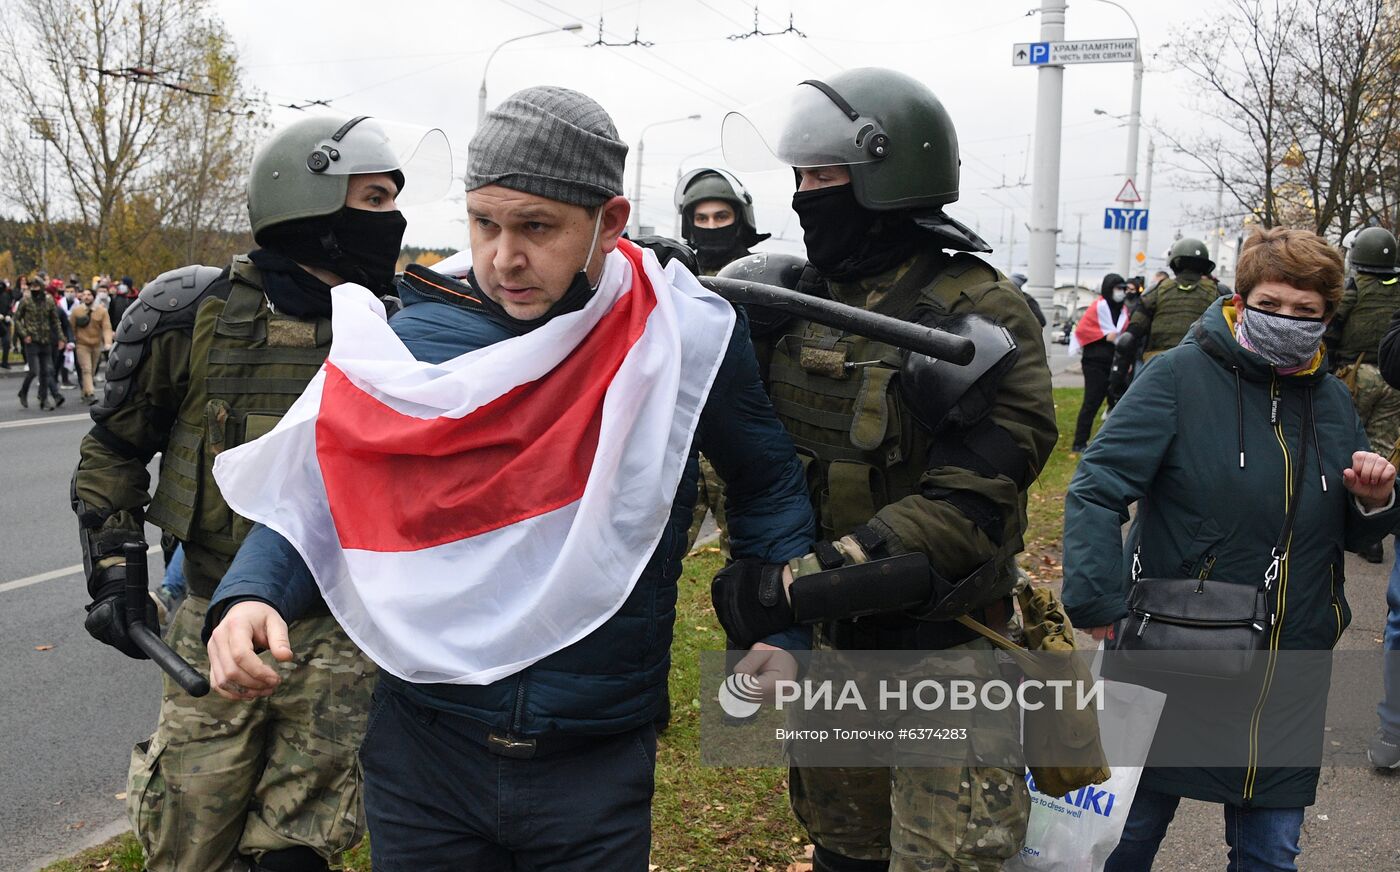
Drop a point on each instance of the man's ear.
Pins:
(615, 214)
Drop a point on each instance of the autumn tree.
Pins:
(141, 106)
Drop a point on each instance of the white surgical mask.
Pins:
(1120, 295)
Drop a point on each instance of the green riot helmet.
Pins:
(303, 170)
(1373, 251)
(889, 130)
(708, 183)
(1190, 254)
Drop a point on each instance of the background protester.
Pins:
(1213, 439)
(9, 298)
(39, 330)
(92, 330)
(1094, 338)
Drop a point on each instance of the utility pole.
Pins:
(1125, 242)
(1078, 249)
(1011, 248)
(1147, 203)
(637, 188)
(1045, 187)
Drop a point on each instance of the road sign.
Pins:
(1083, 51)
(1125, 219)
(1129, 194)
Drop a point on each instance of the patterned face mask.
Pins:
(1283, 340)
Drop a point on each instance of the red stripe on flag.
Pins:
(399, 483)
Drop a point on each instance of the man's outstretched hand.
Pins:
(235, 670)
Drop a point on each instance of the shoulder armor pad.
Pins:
(168, 302)
(940, 393)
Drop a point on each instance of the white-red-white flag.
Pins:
(1096, 323)
(466, 519)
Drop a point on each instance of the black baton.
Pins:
(137, 594)
(882, 328)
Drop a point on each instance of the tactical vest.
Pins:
(860, 445)
(248, 365)
(1376, 300)
(1178, 303)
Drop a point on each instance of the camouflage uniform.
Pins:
(869, 463)
(1355, 335)
(220, 778)
(201, 364)
(1167, 312)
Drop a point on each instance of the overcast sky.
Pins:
(421, 61)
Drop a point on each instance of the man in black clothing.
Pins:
(1094, 337)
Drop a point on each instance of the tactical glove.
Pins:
(749, 599)
(106, 614)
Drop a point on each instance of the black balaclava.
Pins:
(356, 244)
(717, 247)
(845, 240)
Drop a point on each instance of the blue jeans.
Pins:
(1260, 839)
(1389, 709)
(438, 799)
(174, 579)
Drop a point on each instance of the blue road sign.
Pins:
(1125, 219)
(1040, 52)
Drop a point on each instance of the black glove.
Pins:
(106, 614)
(750, 601)
(667, 250)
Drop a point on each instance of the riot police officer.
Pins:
(1167, 311)
(1372, 295)
(904, 455)
(716, 218)
(204, 360)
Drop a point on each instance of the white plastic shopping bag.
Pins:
(1077, 832)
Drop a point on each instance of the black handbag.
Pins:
(1202, 627)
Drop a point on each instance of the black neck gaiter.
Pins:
(717, 247)
(847, 241)
(575, 298)
(291, 289)
(356, 244)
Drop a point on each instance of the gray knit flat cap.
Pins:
(551, 142)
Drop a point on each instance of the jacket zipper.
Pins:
(1276, 618)
(518, 714)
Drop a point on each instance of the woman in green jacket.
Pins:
(1207, 439)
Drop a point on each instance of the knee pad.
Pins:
(826, 861)
(298, 859)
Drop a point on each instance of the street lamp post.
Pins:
(1125, 242)
(637, 186)
(481, 94)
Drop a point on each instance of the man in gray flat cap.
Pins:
(546, 762)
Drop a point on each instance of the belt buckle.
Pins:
(509, 746)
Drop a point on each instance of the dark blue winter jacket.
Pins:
(613, 679)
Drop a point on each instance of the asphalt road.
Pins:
(69, 714)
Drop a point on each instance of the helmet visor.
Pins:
(804, 128)
(374, 145)
(734, 184)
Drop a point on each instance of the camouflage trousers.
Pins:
(1378, 405)
(709, 499)
(964, 817)
(220, 778)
